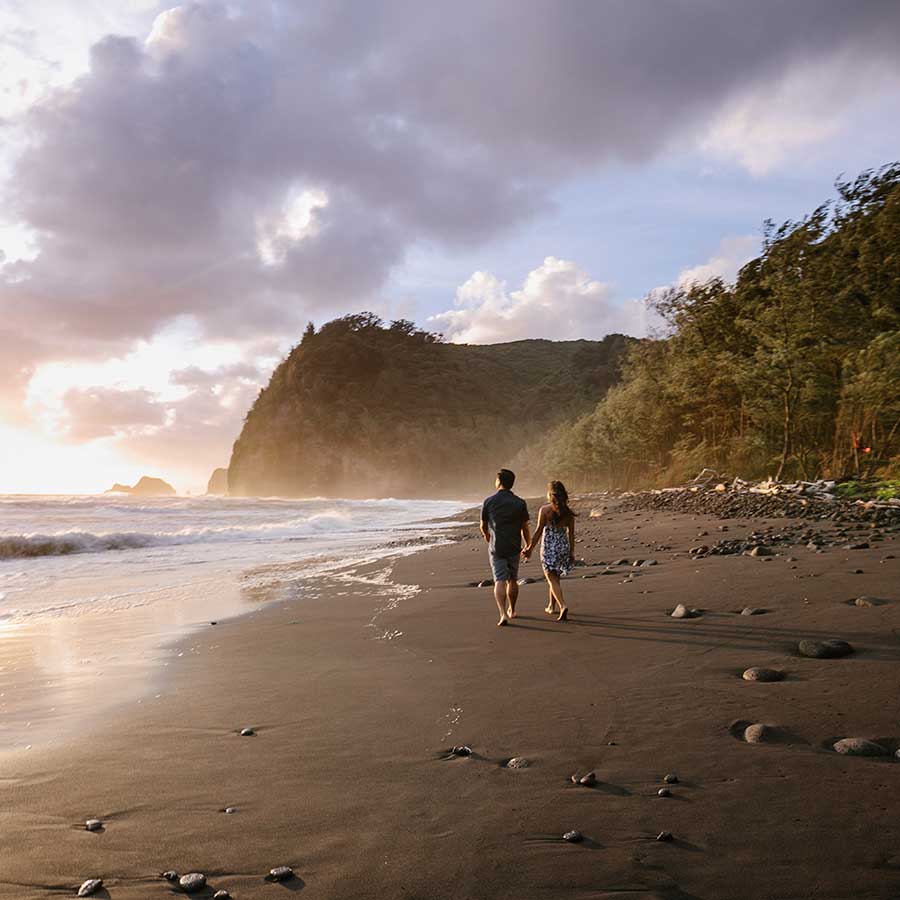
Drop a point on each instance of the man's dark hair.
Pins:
(506, 478)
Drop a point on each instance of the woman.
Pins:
(556, 525)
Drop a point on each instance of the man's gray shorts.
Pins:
(505, 568)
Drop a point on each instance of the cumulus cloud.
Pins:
(558, 300)
(100, 412)
(733, 253)
(252, 165)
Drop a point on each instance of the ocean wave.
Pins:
(22, 546)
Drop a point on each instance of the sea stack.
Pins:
(218, 483)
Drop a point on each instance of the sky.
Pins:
(183, 188)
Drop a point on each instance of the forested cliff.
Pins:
(792, 371)
(365, 409)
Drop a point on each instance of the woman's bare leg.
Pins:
(556, 589)
(551, 600)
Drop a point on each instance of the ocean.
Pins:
(94, 589)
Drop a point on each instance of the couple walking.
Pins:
(505, 524)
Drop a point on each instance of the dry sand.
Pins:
(354, 694)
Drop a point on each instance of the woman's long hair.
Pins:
(561, 513)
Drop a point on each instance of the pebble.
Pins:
(682, 612)
(221, 895)
(461, 751)
(589, 779)
(665, 836)
(281, 873)
(862, 545)
(485, 583)
(663, 792)
(192, 882)
(90, 886)
(527, 580)
(649, 562)
(247, 732)
(860, 747)
(759, 673)
(759, 550)
(867, 601)
(93, 825)
(671, 779)
(171, 875)
(230, 810)
(824, 649)
(573, 837)
(751, 611)
(517, 762)
(757, 733)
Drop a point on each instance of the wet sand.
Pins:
(356, 690)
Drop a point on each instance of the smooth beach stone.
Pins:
(461, 751)
(862, 545)
(588, 780)
(247, 732)
(682, 612)
(758, 733)
(281, 873)
(192, 882)
(759, 673)
(221, 895)
(824, 649)
(649, 562)
(868, 601)
(485, 583)
(230, 810)
(93, 825)
(671, 779)
(517, 762)
(751, 611)
(665, 837)
(171, 876)
(573, 837)
(759, 550)
(663, 792)
(860, 747)
(92, 885)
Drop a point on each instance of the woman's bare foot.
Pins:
(510, 612)
(563, 614)
(548, 610)
(503, 621)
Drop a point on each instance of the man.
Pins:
(504, 523)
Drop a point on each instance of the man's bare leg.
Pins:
(500, 599)
(512, 594)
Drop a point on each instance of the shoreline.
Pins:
(344, 779)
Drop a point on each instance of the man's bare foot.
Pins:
(510, 612)
(563, 614)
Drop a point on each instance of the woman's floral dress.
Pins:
(556, 554)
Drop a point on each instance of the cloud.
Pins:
(248, 166)
(733, 253)
(100, 412)
(558, 301)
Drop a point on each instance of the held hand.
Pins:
(526, 553)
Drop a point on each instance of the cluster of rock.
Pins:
(145, 487)
(806, 500)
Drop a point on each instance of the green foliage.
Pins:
(793, 371)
